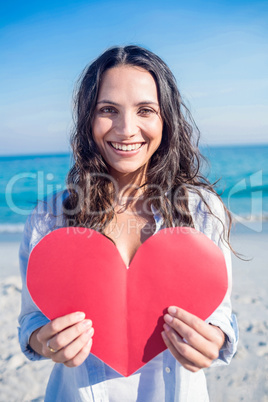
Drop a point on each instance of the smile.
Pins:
(126, 147)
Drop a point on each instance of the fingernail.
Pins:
(80, 315)
(172, 310)
(90, 332)
(168, 318)
(164, 335)
(87, 323)
(89, 342)
(166, 327)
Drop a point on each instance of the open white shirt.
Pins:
(162, 379)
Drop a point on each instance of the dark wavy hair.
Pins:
(174, 169)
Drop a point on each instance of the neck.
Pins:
(129, 184)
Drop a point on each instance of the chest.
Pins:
(129, 230)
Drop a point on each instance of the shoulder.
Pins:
(207, 211)
(205, 201)
(45, 217)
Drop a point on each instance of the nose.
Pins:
(126, 125)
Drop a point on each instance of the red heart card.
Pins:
(78, 269)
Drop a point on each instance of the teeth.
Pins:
(124, 147)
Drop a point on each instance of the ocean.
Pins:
(242, 172)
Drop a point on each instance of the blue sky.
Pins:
(218, 51)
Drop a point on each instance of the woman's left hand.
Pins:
(193, 342)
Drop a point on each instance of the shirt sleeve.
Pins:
(223, 318)
(213, 227)
(30, 318)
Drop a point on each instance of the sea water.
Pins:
(242, 172)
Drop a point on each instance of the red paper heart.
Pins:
(77, 269)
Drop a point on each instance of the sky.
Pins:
(217, 50)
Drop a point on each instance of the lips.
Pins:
(126, 147)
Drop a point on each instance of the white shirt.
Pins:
(161, 379)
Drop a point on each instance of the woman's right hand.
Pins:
(66, 339)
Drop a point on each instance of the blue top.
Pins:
(161, 379)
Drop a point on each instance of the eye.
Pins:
(145, 111)
(107, 110)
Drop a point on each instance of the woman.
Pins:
(136, 170)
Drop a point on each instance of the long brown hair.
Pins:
(174, 169)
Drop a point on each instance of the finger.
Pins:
(74, 348)
(208, 347)
(59, 324)
(220, 336)
(68, 335)
(81, 356)
(184, 362)
(192, 337)
(189, 354)
(191, 320)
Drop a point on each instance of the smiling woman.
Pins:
(136, 170)
(127, 126)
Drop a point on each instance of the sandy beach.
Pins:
(246, 379)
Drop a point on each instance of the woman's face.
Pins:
(127, 125)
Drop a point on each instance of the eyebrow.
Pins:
(147, 102)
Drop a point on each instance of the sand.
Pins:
(246, 379)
